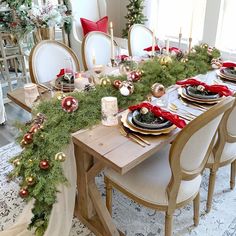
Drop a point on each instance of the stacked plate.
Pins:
(192, 94)
(161, 126)
(227, 73)
(63, 86)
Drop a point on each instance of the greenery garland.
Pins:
(58, 126)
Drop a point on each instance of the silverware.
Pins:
(196, 105)
(183, 113)
(124, 133)
(185, 117)
(180, 108)
(136, 135)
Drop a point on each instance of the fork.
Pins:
(125, 134)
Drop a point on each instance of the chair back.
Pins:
(92, 10)
(47, 58)
(230, 127)
(139, 37)
(190, 150)
(96, 48)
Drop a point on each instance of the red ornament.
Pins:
(24, 192)
(69, 104)
(117, 83)
(34, 128)
(28, 138)
(135, 76)
(44, 164)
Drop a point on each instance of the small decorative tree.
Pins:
(15, 4)
(135, 15)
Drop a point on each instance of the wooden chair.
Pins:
(223, 153)
(139, 37)
(171, 178)
(47, 58)
(96, 48)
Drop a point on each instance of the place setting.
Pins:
(192, 90)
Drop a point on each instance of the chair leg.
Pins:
(196, 203)
(168, 224)
(232, 174)
(211, 187)
(108, 195)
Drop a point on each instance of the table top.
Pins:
(18, 96)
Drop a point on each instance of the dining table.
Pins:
(101, 147)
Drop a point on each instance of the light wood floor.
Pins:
(8, 132)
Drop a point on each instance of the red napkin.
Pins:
(157, 111)
(174, 49)
(122, 57)
(220, 89)
(149, 49)
(63, 71)
(229, 64)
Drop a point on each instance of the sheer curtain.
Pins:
(226, 37)
(168, 17)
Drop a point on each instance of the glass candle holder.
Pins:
(109, 111)
(31, 93)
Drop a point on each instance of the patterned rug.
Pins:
(130, 217)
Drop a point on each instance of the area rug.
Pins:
(130, 217)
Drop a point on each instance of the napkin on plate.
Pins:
(229, 64)
(157, 111)
(149, 49)
(222, 90)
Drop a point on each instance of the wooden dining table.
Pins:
(103, 147)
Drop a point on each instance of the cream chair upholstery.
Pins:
(47, 59)
(224, 152)
(139, 37)
(171, 178)
(96, 45)
(92, 10)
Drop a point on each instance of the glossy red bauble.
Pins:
(44, 164)
(135, 76)
(24, 192)
(28, 138)
(69, 104)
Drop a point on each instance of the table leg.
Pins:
(90, 208)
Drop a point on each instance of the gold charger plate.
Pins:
(144, 131)
(226, 77)
(204, 101)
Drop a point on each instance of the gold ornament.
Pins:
(157, 90)
(165, 60)
(184, 60)
(204, 45)
(16, 162)
(59, 95)
(105, 82)
(144, 110)
(60, 156)
(200, 88)
(30, 180)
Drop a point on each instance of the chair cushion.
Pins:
(89, 26)
(228, 153)
(148, 181)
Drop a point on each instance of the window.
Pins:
(173, 16)
(226, 37)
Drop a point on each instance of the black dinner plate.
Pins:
(193, 92)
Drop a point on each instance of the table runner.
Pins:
(63, 210)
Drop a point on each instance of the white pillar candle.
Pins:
(167, 46)
(153, 42)
(109, 111)
(93, 58)
(80, 82)
(112, 42)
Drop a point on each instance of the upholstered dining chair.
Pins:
(139, 38)
(92, 10)
(171, 178)
(47, 58)
(96, 48)
(223, 153)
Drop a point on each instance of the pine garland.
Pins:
(135, 15)
(55, 134)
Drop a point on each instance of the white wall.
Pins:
(116, 10)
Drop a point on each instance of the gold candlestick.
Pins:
(180, 38)
(190, 44)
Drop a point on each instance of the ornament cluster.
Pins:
(37, 125)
